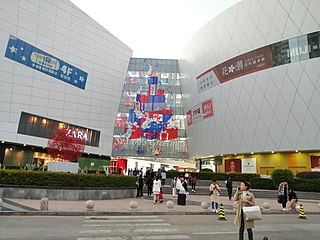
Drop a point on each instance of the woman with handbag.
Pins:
(243, 198)
(214, 191)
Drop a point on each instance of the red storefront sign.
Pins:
(244, 64)
(207, 109)
(189, 118)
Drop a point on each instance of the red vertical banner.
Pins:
(207, 109)
(189, 118)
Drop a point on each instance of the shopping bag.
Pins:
(252, 213)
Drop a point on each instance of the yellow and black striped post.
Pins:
(302, 213)
(222, 215)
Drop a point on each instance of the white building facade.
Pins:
(257, 64)
(59, 68)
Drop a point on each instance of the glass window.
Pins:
(314, 45)
(303, 47)
(293, 51)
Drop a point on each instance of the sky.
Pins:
(154, 29)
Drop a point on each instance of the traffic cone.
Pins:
(222, 216)
(302, 213)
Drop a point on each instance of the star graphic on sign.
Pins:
(81, 78)
(23, 58)
(13, 49)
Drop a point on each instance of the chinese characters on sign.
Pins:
(200, 112)
(206, 80)
(253, 61)
(28, 55)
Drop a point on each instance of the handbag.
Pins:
(252, 213)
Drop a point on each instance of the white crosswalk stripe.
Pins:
(126, 224)
(128, 228)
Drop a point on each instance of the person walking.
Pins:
(229, 187)
(293, 199)
(244, 198)
(214, 194)
(149, 184)
(283, 194)
(173, 185)
(139, 187)
(163, 176)
(193, 184)
(156, 190)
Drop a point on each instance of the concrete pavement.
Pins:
(145, 207)
(284, 227)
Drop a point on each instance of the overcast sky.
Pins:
(153, 29)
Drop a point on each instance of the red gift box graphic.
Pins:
(163, 136)
(160, 91)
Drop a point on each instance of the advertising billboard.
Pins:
(232, 165)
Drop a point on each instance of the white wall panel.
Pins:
(63, 30)
(273, 109)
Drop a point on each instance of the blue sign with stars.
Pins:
(26, 54)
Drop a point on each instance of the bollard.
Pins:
(90, 205)
(204, 205)
(266, 206)
(302, 213)
(222, 215)
(265, 238)
(133, 204)
(170, 204)
(44, 204)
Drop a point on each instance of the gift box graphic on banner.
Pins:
(151, 118)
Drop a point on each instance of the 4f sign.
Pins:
(76, 134)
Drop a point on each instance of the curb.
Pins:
(129, 213)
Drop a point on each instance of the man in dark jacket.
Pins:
(229, 187)
(139, 186)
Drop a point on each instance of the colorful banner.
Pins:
(315, 162)
(28, 55)
(200, 112)
(232, 165)
(207, 109)
(189, 118)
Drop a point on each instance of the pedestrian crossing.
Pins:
(128, 228)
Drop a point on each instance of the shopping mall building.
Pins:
(243, 96)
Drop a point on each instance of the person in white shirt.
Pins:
(156, 190)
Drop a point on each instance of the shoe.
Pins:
(217, 211)
(284, 209)
(213, 211)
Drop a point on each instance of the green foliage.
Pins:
(217, 176)
(57, 179)
(262, 183)
(170, 173)
(282, 175)
(206, 170)
(308, 175)
(306, 185)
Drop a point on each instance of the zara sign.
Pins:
(77, 134)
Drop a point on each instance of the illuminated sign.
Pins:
(77, 134)
(28, 55)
